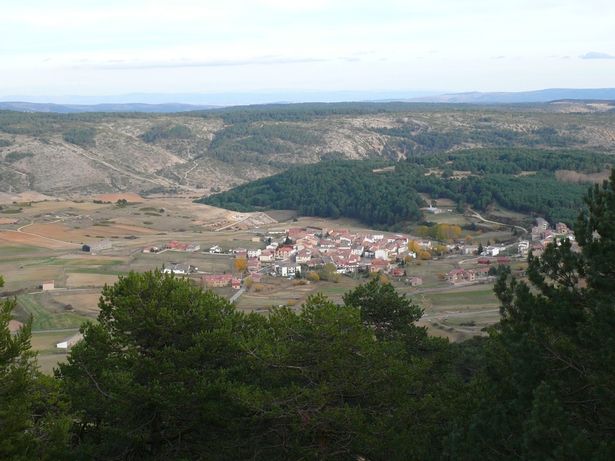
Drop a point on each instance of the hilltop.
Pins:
(199, 153)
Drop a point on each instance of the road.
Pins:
(477, 215)
(236, 296)
(20, 230)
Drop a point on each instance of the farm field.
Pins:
(43, 242)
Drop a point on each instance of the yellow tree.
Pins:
(241, 264)
(414, 246)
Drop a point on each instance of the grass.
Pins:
(456, 298)
(97, 270)
(52, 261)
(50, 360)
(13, 252)
(46, 340)
(44, 318)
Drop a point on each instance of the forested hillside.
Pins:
(381, 197)
(198, 153)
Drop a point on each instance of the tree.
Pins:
(414, 246)
(33, 416)
(329, 273)
(155, 377)
(550, 364)
(382, 309)
(240, 264)
(480, 249)
(331, 392)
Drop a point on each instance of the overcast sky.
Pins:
(93, 47)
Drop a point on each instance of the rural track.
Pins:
(441, 315)
(157, 180)
(190, 170)
(236, 296)
(20, 231)
(477, 215)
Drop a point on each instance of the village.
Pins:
(303, 252)
(57, 256)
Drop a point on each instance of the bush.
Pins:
(84, 137)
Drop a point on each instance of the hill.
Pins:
(522, 97)
(22, 106)
(202, 152)
(387, 195)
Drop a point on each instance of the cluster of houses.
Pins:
(174, 245)
(467, 275)
(315, 247)
(221, 280)
(179, 269)
(542, 234)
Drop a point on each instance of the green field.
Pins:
(44, 317)
(482, 296)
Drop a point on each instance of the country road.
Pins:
(477, 215)
(20, 231)
(236, 296)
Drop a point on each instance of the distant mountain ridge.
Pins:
(22, 106)
(169, 103)
(538, 96)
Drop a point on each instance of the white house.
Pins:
(48, 285)
(70, 342)
(381, 254)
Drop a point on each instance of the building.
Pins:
(254, 264)
(542, 223)
(492, 250)
(456, 275)
(48, 285)
(177, 246)
(415, 281)
(379, 265)
(216, 280)
(215, 249)
(70, 342)
(284, 252)
(303, 256)
(287, 269)
(461, 275)
(266, 256)
(97, 247)
(180, 269)
(561, 228)
(470, 249)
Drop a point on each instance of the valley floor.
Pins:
(44, 241)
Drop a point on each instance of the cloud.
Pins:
(172, 64)
(597, 55)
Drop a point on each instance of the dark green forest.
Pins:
(352, 188)
(170, 372)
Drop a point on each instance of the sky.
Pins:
(90, 47)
